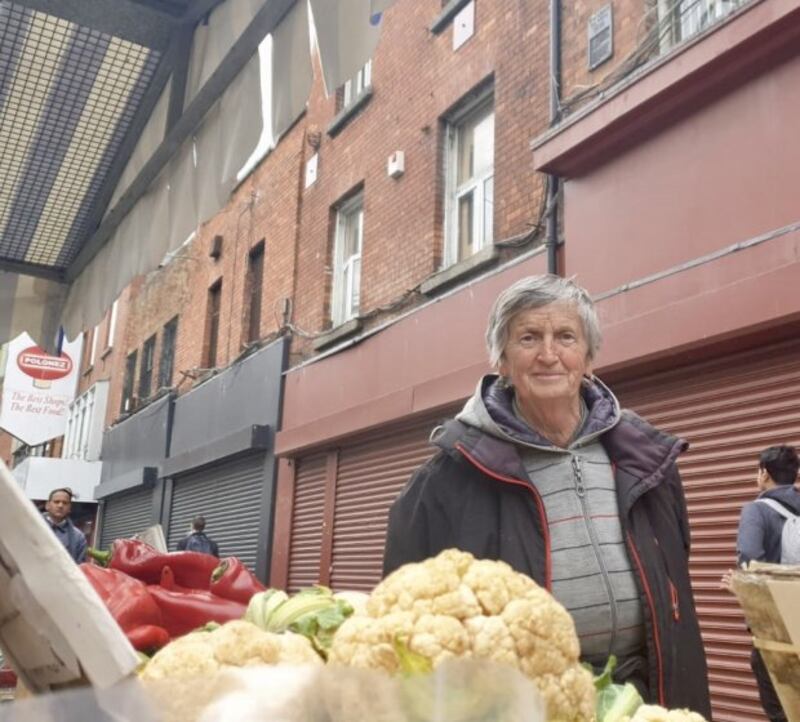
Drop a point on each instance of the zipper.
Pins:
(654, 620)
(548, 572)
(673, 595)
(580, 491)
(673, 591)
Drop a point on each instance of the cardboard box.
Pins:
(769, 595)
(54, 629)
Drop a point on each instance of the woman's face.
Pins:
(547, 355)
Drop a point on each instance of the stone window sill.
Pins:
(345, 115)
(459, 271)
(338, 333)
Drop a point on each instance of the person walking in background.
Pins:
(198, 541)
(57, 511)
(760, 538)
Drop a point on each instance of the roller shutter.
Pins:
(307, 517)
(370, 475)
(125, 515)
(229, 496)
(729, 410)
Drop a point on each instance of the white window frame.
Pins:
(85, 420)
(482, 221)
(93, 352)
(357, 85)
(112, 325)
(346, 291)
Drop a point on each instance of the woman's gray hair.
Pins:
(535, 292)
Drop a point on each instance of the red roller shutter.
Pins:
(729, 410)
(307, 516)
(370, 475)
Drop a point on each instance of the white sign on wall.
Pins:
(38, 389)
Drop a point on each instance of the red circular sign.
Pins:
(41, 366)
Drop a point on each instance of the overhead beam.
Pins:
(128, 145)
(124, 19)
(32, 269)
(264, 22)
(199, 9)
(182, 45)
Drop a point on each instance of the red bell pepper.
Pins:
(233, 580)
(186, 609)
(140, 560)
(130, 604)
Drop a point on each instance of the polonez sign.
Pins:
(37, 390)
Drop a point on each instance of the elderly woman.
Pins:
(543, 470)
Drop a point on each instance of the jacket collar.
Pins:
(641, 454)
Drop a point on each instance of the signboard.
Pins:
(38, 389)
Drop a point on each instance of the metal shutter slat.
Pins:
(307, 516)
(729, 410)
(229, 497)
(125, 515)
(370, 475)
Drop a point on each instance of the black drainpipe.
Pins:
(555, 95)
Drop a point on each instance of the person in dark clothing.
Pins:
(198, 541)
(759, 539)
(57, 511)
(543, 470)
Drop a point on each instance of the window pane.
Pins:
(355, 295)
(484, 145)
(488, 210)
(465, 234)
(466, 149)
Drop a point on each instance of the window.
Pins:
(146, 367)
(165, 365)
(347, 260)
(127, 404)
(85, 419)
(93, 352)
(352, 89)
(212, 324)
(253, 293)
(470, 183)
(112, 326)
(682, 19)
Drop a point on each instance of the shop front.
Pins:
(356, 425)
(221, 464)
(129, 492)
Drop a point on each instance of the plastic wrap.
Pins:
(458, 691)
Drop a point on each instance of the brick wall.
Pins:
(417, 77)
(632, 19)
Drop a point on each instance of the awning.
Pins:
(126, 123)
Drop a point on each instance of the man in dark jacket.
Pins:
(198, 541)
(542, 470)
(759, 539)
(57, 511)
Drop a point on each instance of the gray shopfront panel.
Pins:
(126, 514)
(229, 495)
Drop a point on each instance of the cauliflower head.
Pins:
(456, 606)
(234, 644)
(193, 673)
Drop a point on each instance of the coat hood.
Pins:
(786, 494)
(490, 410)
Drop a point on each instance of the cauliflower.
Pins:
(654, 713)
(454, 606)
(235, 644)
(194, 674)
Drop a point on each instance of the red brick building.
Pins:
(353, 269)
